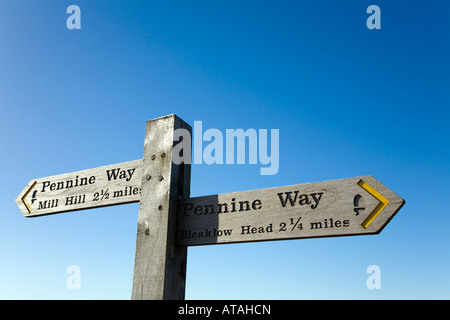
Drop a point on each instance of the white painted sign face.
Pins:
(352, 206)
(98, 187)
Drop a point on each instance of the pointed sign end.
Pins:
(22, 201)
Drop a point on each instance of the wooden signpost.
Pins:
(169, 220)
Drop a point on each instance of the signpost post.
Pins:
(169, 220)
(160, 265)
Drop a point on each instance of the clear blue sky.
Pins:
(348, 101)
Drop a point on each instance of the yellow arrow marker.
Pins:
(383, 203)
(26, 194)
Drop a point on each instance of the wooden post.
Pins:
(160, 265)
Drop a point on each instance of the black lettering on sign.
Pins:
(215, 208)
(290, 197)
(77, 182)
(120, 174)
